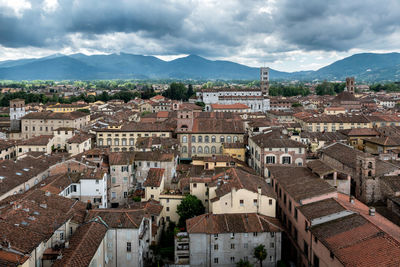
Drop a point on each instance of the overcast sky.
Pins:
(287, 35)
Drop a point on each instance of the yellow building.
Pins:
(124, 137)
(67, 107)
(333, 123)
(235, 150)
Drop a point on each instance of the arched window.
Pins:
(184, 139)
(235, 139)
(200, 150)
(220, 150)
(228, 139)
(369, 173)
(184, 149)
(193, 139)
(222, 139)
(213, 150)
(213, 139)
(116, 142)
(207, 139)
(193, 150)
(200, 139)
(369, 165)
(206, 150)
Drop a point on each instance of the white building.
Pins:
(225, 239)
(253, 98)
(128, 236)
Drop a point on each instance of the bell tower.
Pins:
(264, 80)
(17, 111)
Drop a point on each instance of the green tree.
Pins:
(176, 91)
(190, 91)
(325, 88)
(260, 253)
(243, 263)
(190, 207)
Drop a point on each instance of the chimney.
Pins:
(352, 199)
(259, 190)
(371, 211)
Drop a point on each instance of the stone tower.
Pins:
(264, 80)
(367, 184)
(185, 120)
(17, 111)
(350, 85)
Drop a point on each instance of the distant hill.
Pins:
(366, 66)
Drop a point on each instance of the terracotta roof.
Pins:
(16, 173)
(319, 167)
(119, 218)
(384, 141)
(41, 140)
(265, 141)
(79, 138)
(300, 182)
(360, 132)
(219, 126)
(357, 242)
(55, 115)
(340, 118)
(321, 208)
(154, 177)
(239, 179)
(229, 106)
(121, 158)
(83, 245)
(232, 223)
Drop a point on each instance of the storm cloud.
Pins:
(251, 32)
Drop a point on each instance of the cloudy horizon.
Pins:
(284, 35)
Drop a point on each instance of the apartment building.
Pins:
(7, 149)
(333, 123)
(79, 143)
(205, 135)
(41, 143)
(128, 236)
(44, 123)
(225, 239)
(124, 137)
(265, 151)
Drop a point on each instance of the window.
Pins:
(270, 202)
(213, 150)
(199, 149)
(128, 246)
(207, 139)
(332, 255)
(213, 139)
(235, 139)
(232, 259)
(316, 261)
(255, 234)
(232, 235)
(215, 260)
(232, 246)
(305, 248)
(200, 139)
(125, 194)
(184, 149)
(148, 164)
(167, 208)
(206, 150)
(286, 160)
(295, 213)
(194, 185)
(215, 236)
(241, 202)
(270, 159)
(184, 139)
(193, 139)
(272, 245)
(255, 202)
(229, 139)
(216, 247)
(113, 180)
(222, 139)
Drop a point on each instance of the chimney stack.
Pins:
(371, 211)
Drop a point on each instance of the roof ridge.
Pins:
(130, 219)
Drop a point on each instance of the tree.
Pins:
(190, 207)
(260, 253)
(190, 91)
(176, 91)
(243, 263)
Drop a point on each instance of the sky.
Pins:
(287, 35)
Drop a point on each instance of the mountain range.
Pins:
(368, 67)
